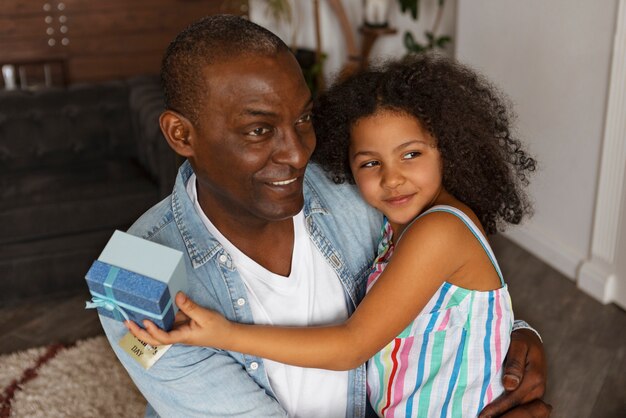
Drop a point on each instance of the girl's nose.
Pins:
(391, 178)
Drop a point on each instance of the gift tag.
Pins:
(142, 352)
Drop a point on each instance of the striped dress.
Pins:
(448, 361)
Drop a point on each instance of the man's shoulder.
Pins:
(154, 220)
(349, 214)
(332, 195)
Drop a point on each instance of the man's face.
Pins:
(253, 139)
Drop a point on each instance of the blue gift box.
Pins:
(135, 279)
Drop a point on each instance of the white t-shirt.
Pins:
(311, 295)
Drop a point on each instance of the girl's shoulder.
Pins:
(441, 233)
(444, 224)
(435, 243)
(450, 235)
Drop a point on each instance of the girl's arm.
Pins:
(429, 253)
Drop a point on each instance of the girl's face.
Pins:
(396, 165)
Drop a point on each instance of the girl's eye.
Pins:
(411, 155)
(370, 164)
(259, 132)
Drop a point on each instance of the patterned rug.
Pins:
(82, 380)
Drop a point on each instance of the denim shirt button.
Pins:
(241, 301)
(223, 258)
(254, 365)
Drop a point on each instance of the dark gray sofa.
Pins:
(75, 164)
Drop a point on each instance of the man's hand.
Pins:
(524, 380)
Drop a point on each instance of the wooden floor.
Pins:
(585, 341)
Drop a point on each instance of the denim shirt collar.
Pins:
(200, 246)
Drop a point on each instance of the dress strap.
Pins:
(470, 225)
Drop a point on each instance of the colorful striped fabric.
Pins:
(448, 361)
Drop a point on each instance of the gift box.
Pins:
(135, 279)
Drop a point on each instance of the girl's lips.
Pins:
(399, 200)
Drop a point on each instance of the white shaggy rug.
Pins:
(81, 381)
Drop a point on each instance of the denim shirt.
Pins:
(199, 381)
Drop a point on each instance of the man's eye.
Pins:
(259, 131)
(411, 155)
(305, 119)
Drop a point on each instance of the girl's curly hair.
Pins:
(484, 166)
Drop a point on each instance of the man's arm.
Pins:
(195, 382)
(524, 379)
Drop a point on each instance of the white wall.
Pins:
(552, 58)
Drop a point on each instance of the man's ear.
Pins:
(177, 131)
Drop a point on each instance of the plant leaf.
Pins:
(409, 41)
(411, 6)
(443, 40)
(411, 45)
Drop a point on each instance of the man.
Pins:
(264, 241)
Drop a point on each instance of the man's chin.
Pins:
(284, 210)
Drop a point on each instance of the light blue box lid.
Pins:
(147, 258)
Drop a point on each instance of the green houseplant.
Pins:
(433, 40)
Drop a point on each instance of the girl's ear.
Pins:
(177, 131)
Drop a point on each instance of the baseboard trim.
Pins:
(595, 279)
(552, 251)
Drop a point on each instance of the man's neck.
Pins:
(271, 245)
(268, 243)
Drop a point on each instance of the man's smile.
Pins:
(282, 182)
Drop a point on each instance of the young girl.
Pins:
(428, 143)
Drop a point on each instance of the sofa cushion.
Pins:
(146, 104)
(43, 203)
(47, 266)
(56, 126)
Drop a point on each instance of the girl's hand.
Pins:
(194, 325)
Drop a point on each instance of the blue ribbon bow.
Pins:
(106, 303)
